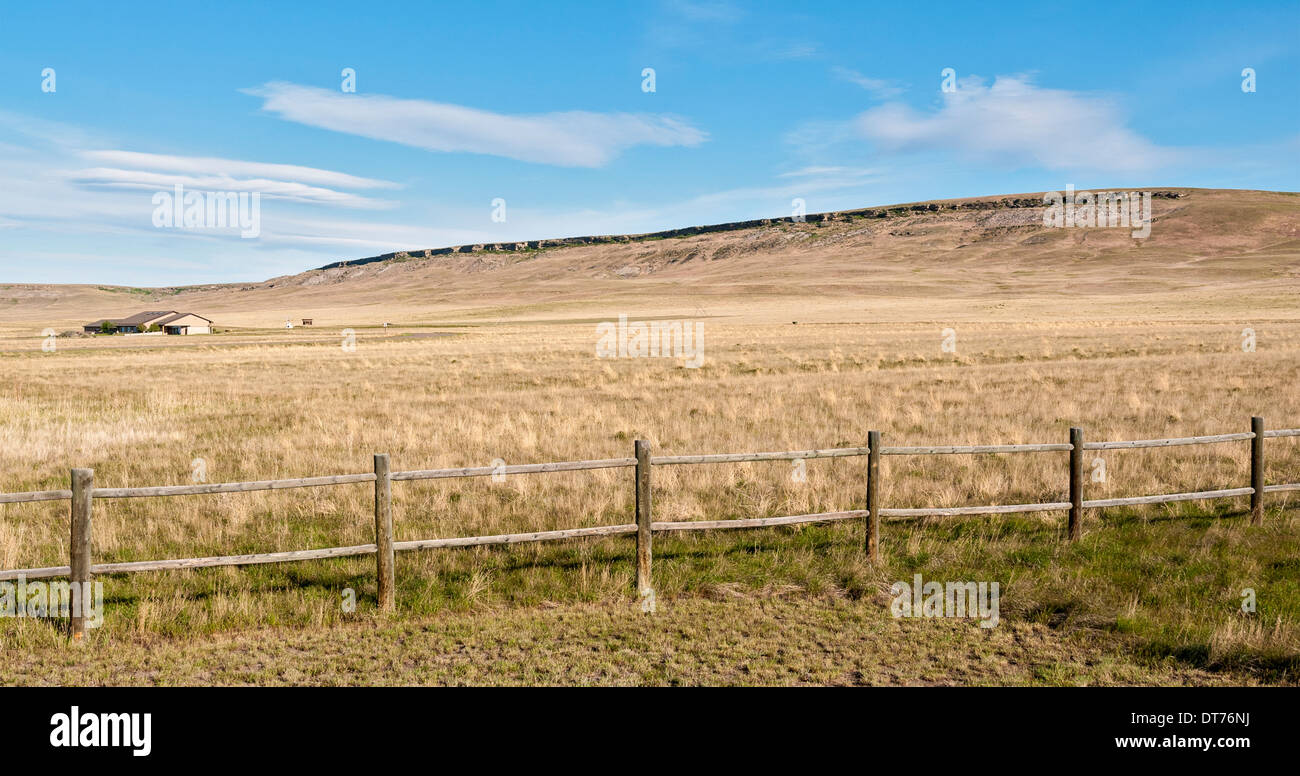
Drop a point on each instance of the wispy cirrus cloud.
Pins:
(59, 180)
(294, 183)
(567, 138)
(834, 172)
(208, 165)
(294, 191)
(1014, 121)
(879, 87)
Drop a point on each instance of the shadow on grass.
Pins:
(1273, 665)
(1123, 517)
(830, 554)
(280, 581)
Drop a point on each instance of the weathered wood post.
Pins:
(384, 532)
(644, 586)
(1076, 484)
(873, 496)
(1257, 471)
(80, 549)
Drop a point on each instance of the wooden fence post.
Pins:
(873, 496)
(644, 586)
(1257, 471)
(80, 548)
(384, 532)
(1076, 484)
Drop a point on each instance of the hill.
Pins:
(1209, 252)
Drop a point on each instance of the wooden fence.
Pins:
(83, 492)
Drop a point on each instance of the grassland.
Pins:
(1151, 595)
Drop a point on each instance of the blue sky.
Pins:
(543, 106)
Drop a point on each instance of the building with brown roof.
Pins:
(164, 321)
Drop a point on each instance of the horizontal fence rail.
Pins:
(522, 468)
(758, 522)
(539, 536)
(1168, 497)
(197, 563)
(231, 487)
(39, 495)
(973, 449)
(992, 510)
(792, 455)
(83, 492)
(1197, 440)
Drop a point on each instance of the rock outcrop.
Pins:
(812, 218)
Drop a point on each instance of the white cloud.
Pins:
(235, 167)
(878, 87)
(571, 138)
(836, 172)
(145, 180)
(1017, 122)
(43, 132)
(46, 188)
(155, 172)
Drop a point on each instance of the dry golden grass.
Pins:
(537, 393)
(519, 381)
(531, 393)
(695, 642)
